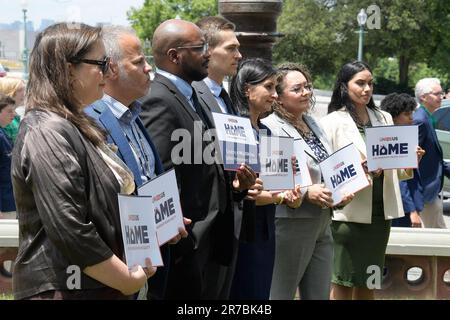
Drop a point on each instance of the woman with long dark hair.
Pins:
(361, 229)
(66, 179)
(253, 93)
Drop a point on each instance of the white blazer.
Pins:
(341, 130)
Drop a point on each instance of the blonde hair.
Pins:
(9, 86)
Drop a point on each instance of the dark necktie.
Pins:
(199, 110)
(226, 98)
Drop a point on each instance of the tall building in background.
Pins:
(11, 39)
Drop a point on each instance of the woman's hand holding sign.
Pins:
(319, 195)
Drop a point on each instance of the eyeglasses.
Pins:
(103, 64)
(308, 87)
(441, 94)
(201, 47)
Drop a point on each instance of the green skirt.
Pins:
(358, 246)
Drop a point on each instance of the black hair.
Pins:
(396, 103)
(251, 71)
(340, 97)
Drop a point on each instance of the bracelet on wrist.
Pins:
(282, 195)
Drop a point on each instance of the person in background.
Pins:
(401, 107)
(15, 88)
(429, 177)
(66, 179)
(361, 229)
(307, 265)
(2, 71)
(7, 205)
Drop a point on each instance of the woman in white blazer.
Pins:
(361, 229)
(304, 245)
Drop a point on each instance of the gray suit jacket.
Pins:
(207, 98)
(282, 128)
(205, 94)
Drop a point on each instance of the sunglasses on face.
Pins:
(103, 64)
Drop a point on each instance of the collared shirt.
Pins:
(215, 89)
(184, 87)
(142, 151)
(430, 116)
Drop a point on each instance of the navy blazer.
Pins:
(412, 198)
(6, 190)
(100, 111)
(106, 119)
(430, 175)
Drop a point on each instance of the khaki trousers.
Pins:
(433, 214)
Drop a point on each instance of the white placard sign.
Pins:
(236, 141)
(166, 205)
(392, 147)
(301, 176)
(276, 162)
(138, 231)
(343, 173)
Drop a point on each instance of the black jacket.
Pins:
(203, 191)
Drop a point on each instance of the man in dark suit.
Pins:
(223, 62)
(118, 112)
(179, 127)
(429, 177)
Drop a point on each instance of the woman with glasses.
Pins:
(66, 180)
(360, 229)
(307, 264)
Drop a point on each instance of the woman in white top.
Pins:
(361, 229)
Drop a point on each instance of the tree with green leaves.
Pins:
(311, 35)
(321, 34)
(411, 31)
(145, 19)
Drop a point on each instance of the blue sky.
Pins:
(87, 11)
